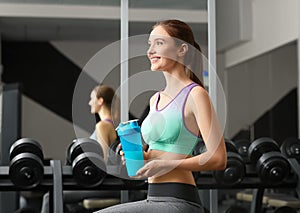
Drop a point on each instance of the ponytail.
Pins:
(115, 109)
(195, 65)
(194, 78)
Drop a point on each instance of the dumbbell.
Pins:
(291, 148)
(235, 169)
(26, 169)
(271, 166)
(68, 153)
(242, 146)
(88, 166)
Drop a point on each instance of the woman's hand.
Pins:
(156, 168)
(121, 153)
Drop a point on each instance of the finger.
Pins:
(123, 160)
(119, 149)
(141, 171)
(138, 177)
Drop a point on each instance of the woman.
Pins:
(101, 99)
(178, 116)
(101, 103)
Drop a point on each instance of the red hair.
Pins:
(183, 32)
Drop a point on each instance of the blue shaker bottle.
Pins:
(131, 140)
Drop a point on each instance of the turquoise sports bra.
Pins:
(165, 129)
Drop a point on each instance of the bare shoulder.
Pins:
(152, 99)
(199, 93)
(199, 101)
(106, 131)
(102, 126)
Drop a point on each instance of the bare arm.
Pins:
(103, 138)
(215, 157)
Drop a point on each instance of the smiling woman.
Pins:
(161, 45)
(166, 41)
(178, 116)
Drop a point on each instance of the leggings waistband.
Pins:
(183, 191)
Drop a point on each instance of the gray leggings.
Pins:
(155, 205)
(163, 197)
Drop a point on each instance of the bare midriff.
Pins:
(175, 175)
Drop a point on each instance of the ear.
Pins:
(100, 101)
(183, 49)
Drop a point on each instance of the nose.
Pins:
(150, 50)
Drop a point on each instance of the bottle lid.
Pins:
(132, 124)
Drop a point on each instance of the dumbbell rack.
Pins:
(58, 178)
(258, 193)
(250, 181)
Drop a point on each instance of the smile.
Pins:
(154, 59)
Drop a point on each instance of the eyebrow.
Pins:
(157, 39)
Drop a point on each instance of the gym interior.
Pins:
(52, 52)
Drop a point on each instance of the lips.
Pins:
(154, 59)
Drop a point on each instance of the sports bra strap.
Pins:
(109, 120)
(180, 98)
(183, 94)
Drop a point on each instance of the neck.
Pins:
(175, 81)
(105, 113)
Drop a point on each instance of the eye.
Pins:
(159, 42)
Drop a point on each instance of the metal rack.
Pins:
(58, 178)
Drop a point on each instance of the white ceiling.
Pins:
(55, 28)
(168, 4)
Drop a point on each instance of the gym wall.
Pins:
(83, 52)
(48, 79)
(257, 85)
(52, 131)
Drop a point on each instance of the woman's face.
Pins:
(162, 51)
(95, 107)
